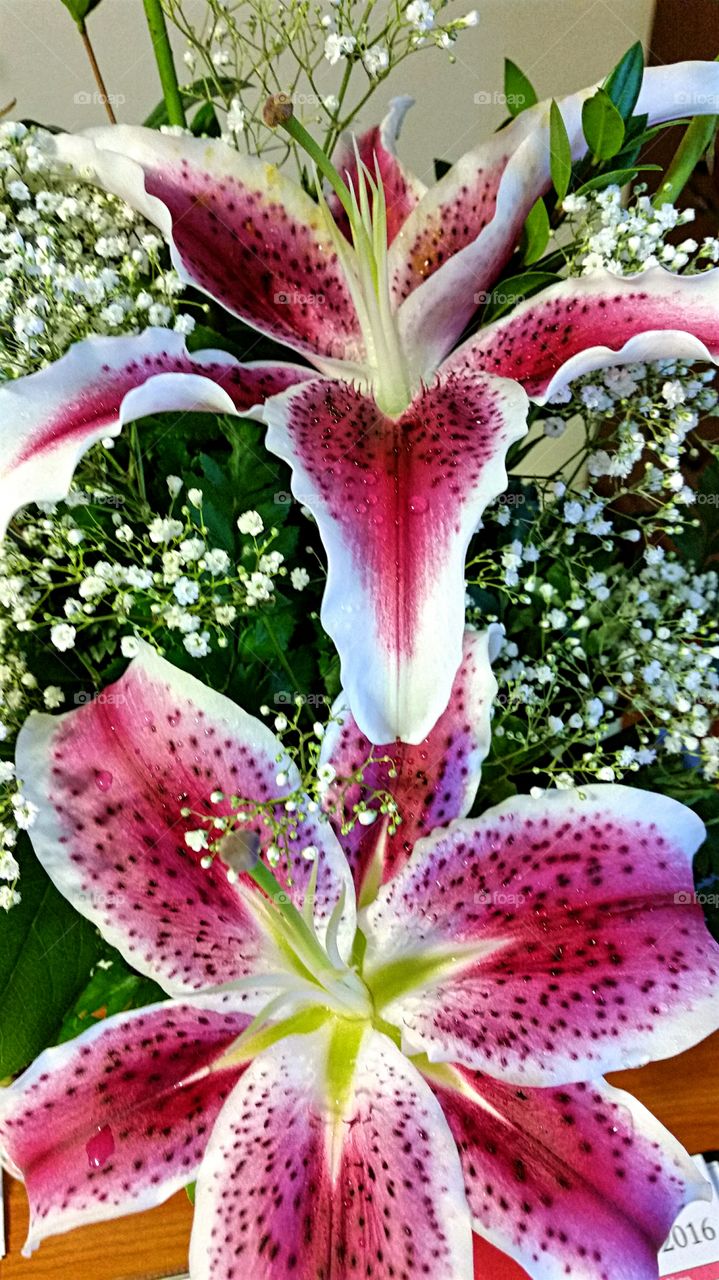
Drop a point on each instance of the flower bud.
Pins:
(277, 110)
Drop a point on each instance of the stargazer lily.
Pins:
(355, 1092)
(396, 444)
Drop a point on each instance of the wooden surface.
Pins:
(681, 1092)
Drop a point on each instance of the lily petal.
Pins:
(550, 940)
(49, 419)
(596, 321)
(376, 148)
(548, 1173)
(238, 229)
(360, 1178)
(118, 1120)
(110, 781)
(432, 783)
(397, 501)
(461, 235)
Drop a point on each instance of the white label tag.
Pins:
(694, 1238)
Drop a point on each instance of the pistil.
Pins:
(344, 989)
(364, 262)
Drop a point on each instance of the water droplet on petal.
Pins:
(103, 780)
(418, 505)
(100, 1147)
(361, 508)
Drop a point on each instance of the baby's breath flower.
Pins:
(250, 522)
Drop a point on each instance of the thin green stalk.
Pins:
(279, 651)
(165, 62)
(136, 462)
(99, 81)
(696, 141)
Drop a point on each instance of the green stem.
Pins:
(165, 62)
(136, 462)
(314, 150)
(695, 143)
(97, 73)
(280, 653)
(331, 135)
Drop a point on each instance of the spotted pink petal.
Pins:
(377, 148)
(461, 235)
(397, 501)
(579, 1181)
(238, 229)
(110, 781)
(566, 934)
(49, 419)
(118, 1120)
(298, 1182)
(595, 321)
(432, 783)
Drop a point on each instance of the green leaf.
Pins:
(47, 953)
(560, 152)
(616, 177)
(535, 236)
(508, 292)
(79, 9)
(200, 91)
(603, 126)
(518, 90)
(205, 123)
(218, 503)
(624, 83)
(112, 988)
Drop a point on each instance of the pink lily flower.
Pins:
(396, 444)
(356, 1090)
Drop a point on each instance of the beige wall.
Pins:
(561, 44)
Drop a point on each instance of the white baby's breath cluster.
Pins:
(622, 643)
(628, 238)
(86, 580)
(619, 653)
(234, 45)
(73, 260)
(153, 576)
(638, 421)
(318, 795)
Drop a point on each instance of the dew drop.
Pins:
(100, 1147)
(361, 508)
(103, 780)
(418, 505)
